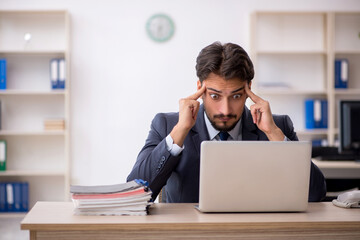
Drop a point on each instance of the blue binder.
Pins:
(316, 113)
(54, 73)
(10, 197)
(57, 73)
(316, 142)
(17, 196)
(3, 198)
(14, 197)
(2, 73)
(24, 197)
(324, 114)
(62, 74)
(341, 73)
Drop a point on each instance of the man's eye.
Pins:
(237, 96)
(214, 96)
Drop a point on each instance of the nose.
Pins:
(225, 107)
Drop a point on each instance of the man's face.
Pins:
(224, 101)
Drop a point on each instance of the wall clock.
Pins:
(160, 27)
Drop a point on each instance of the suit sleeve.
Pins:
(154, 162)
(317, 188)
(289, 129)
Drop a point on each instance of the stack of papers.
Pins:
(131, 198)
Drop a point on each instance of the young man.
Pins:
(171, 155)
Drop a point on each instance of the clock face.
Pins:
(160, 27)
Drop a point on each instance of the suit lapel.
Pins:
(199, 131)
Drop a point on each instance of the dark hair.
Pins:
(228, 61)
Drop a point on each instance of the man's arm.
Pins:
(188, 110)
(262, 116)
(317, 188)
(154, 162)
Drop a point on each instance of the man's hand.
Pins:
(262, 116)
(188, 110)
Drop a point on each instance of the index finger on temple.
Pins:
(250, 93)
(199, 92)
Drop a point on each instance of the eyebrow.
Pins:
(237, 90)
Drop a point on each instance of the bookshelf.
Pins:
(294, 54)
(40, 157)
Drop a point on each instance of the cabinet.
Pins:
(294, 55)
(28, 41)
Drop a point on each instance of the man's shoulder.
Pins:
(282, 119)
(166, 119)
(286, 125)
(167, 116)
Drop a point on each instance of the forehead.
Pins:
(219, 83)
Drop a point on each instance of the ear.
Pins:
(198, 84)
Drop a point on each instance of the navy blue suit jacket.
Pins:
(180, 174)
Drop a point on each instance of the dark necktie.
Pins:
(223, 136)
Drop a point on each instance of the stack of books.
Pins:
(131, 198)
(54, 124)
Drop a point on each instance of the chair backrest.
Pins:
(162, 196)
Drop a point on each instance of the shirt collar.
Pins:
(234, 133)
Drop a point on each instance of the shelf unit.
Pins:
(295, 53)
(40, 157)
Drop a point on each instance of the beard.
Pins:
(225, 126)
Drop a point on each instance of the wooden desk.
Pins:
(55, 220)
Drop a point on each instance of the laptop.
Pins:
(254, 176)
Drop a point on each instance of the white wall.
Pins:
(121, 79)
